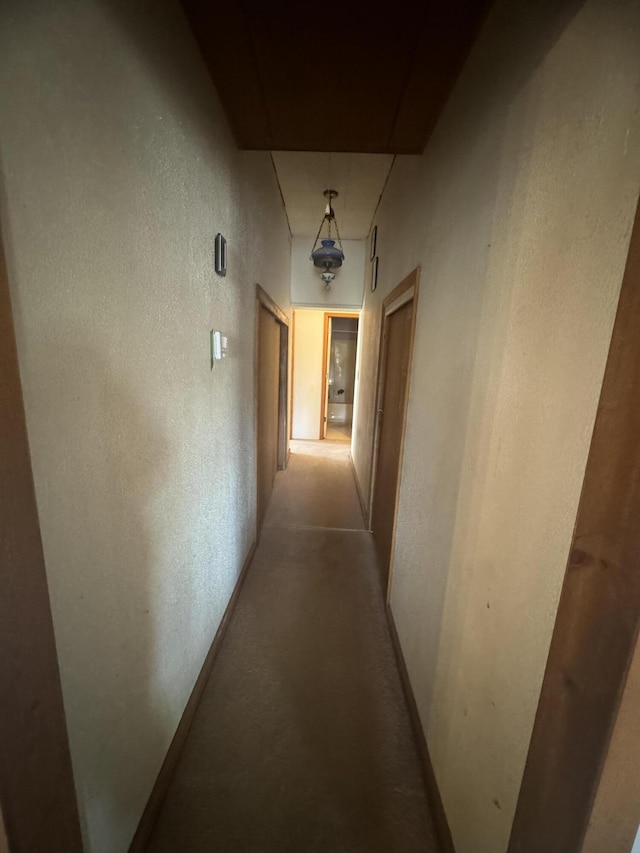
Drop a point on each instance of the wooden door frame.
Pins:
(406, 291)
(263, 300)
(37, 793)
(355, 315)
(598, 617)
(293, 371)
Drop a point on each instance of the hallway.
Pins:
(170, 681)
(302, 741)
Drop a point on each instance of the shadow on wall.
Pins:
(94, 456)
(157, 31)
(109, 482)
(520, 50)
(99, 545)
(99, 462)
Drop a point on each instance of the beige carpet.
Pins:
(302, 742)
(316, 490)
(338, 432)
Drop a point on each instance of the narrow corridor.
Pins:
(302, 741)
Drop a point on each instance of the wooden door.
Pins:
(396, 357)
(268, 405)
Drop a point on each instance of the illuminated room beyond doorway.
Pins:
(339, 372)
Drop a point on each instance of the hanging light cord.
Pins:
(328, 217)
(315, 242)
(337, 232)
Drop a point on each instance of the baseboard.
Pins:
(363, 505)
(158, 793)
(433, 793)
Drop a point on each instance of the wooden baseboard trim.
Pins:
(435, 800)
(158, 793)
(363, 505)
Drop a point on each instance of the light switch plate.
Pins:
(218, 345)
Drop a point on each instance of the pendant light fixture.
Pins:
(328, 256)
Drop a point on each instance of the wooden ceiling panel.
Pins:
(360, 77)
(221, 32)
(319, 71)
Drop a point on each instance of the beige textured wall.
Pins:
(307, 372)
(519, 213)
(616, 812)
(118, 170)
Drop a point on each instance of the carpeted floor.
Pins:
(338, 432)
(302, 742)
(316, 490)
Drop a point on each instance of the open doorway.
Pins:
(339, 376)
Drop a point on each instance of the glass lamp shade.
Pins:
(327, 256)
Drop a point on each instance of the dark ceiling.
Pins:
(349, 76)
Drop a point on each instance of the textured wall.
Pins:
(519, 213)
(366, 375)
(346, 290)
(308, 341)
(118, 171)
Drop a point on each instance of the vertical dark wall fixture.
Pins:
(220, 255)
(36, 782)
